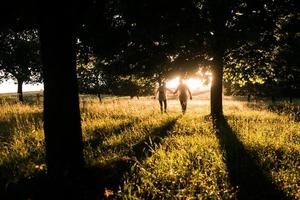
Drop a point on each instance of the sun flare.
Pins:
(194, 84)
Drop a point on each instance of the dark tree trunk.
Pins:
(290, 93)
(20, 90)
(249, 98)
(99, 97)
(219, 45)
(62, 126)
(273, 98)
(216, 95)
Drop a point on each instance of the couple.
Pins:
(183, 96)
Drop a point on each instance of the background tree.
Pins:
(90, 78)
(248, 70)
(20, 59)
(253, 66)
(98, 79)
(131, 85)
(229, 27)
(286, 58)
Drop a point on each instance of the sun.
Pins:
(194, 84)
(173, 83)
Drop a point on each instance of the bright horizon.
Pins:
(11, 87)
(194, 84)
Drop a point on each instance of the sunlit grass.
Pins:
(22, 142)
(274, 141)
(187, 164)
(167, 156)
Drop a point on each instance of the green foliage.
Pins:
(286, 53)
(95, 78)
(91, 79)
(268, 66)
(19, 56)
(131, 86)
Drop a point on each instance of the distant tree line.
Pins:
(260, 54)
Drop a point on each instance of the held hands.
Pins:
(191, 97)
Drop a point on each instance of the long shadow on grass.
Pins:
(92, 183)
(100, 134)
(110, 176)
(244, 172)
(38, 184)
(12, 183)
(143, 148)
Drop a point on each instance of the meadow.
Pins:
(251, 153)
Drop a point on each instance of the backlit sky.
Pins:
(11, 87)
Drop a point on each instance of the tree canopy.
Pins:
(20, 57)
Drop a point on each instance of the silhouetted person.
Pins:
(162, 96)
(183, 96)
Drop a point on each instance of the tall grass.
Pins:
(148, 155)
(22, 143)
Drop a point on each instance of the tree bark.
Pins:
(249, 98)
(273, 98)
(62, 123)
(290, 92)
(216, 95)
(99, 97)
(219, 45)
(20, 90)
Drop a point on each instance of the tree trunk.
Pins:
(62, 126)
(290, 99)
(249, 98)
(216, 95)
(290, 92)
(219, 45)
(99, 97)
(273, 98)
(20, 90)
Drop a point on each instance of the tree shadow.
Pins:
(93, 181)
(111, 175)
(23, 185)
(143, 148)
(100, 134)
(244, 172)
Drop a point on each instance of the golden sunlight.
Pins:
(195, 84)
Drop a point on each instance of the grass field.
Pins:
(252, 153)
